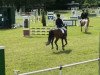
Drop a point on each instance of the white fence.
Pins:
(16, 72)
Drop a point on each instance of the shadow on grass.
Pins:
(90, 26)
(6, 29)
(63, 51)
(87, 32)
(28, 36)
(35, 36)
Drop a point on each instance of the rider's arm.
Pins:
(62, 23)
(81, 15)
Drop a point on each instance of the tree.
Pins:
(51, 3)
(90, 3)
(43, 18)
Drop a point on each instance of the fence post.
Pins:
(60, 70)
(2, 61)
(16, 72)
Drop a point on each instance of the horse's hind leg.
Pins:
(56, 43)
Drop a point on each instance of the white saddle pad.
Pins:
(62, 29)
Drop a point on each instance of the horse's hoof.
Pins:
(63, 49)
(52, 48)
(85, 31)
(47, 43)
(56, 48)
(63, 46)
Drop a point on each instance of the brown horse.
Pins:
(85, 23)
(58, 34)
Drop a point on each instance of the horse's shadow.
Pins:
(28, 37)
(63, 51)
(87, 32)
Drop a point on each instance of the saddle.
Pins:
(63, 29)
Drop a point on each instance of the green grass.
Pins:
(30, 53)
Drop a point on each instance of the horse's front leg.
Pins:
(56, 43)
(81, 28)
(62, 44)
(86, 28)
(81, 25)
(52, 43)
(65, 41)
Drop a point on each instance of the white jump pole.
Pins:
(69, 65)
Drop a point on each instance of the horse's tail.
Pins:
(50, 37)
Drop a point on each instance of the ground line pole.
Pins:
(68, 65)
(2, 60)
(16, 72)
(60, 70)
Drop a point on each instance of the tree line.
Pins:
(31, 4)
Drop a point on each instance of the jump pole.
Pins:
(2, 60)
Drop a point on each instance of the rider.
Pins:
(87, 16)
(84, 16)
(59, 22)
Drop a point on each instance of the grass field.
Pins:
(30, 53)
